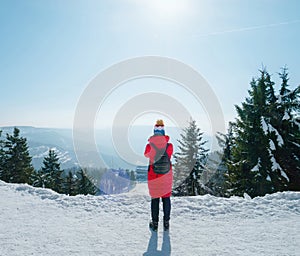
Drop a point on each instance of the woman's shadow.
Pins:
(152, 245)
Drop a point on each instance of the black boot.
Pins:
(166, 225)
(153, 225)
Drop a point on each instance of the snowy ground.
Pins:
(40, 222)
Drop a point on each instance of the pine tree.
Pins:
(190, 161)
(17, 166)
(70, 184)
(38, 179)
(51, 172)
(251, 168)
(265, 157)
(2, 159)
(286, 119)
(85, 184)
(219, 181)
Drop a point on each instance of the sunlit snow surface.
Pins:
(40, 222)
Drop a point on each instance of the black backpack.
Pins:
(162, 161)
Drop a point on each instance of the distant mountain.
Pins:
(40, 140)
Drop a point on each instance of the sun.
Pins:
(168, 10)
(169, 7)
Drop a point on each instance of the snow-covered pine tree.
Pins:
(85, 184)
(189, 161)
(51, 172)
(17, 165)
(285, 133)
(250, 169)
(258, 135)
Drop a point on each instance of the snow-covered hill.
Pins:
(37, 221)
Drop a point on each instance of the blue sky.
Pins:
(50, 50)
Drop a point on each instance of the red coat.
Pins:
(160, 185)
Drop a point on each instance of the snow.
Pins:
(256, 167)
(246, 196)
(269, 128)
(43, 151)
(272, 145)
(279, 99)
(286, 116)
(37, 221)
(283, 174)
(279, 138)
(264, 125)
(276, 166)
(296, 144)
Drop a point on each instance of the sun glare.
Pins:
(168, 10)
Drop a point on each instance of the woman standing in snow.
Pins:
(160, 176)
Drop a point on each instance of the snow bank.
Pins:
(275, 204)
(42, 222)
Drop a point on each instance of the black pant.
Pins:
(155, 208)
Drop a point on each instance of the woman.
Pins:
(159, 182)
